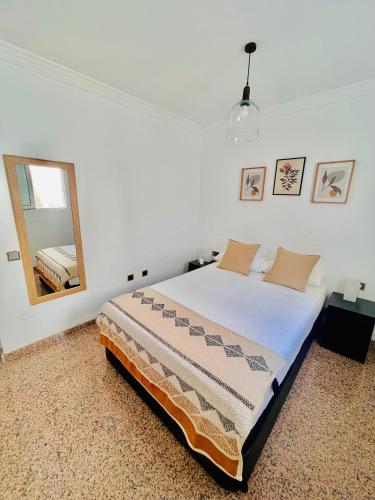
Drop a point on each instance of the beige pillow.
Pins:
(291, 269)
(238, 257)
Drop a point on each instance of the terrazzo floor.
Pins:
(70, 427)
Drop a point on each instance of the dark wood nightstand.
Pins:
(348, 327)
(194, 264)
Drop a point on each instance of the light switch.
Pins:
(13, 255)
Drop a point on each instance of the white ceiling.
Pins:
(186, 56)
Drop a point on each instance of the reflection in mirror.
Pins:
(44, 193)
(47, 225)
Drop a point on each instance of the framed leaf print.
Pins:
(289, 175)
(252, 183)
(332, 181)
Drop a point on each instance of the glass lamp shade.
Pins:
(243, 122)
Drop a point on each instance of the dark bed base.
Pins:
(257, 438)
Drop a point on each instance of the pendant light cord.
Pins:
(248, 71)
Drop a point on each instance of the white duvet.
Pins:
(275, 316)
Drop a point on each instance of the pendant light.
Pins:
(243, 122)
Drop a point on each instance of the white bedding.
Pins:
(275, 316)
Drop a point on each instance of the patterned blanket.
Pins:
(211, 381)
(58, 264)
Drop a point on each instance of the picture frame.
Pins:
(252, 183)
(332, 181)
(289, 176)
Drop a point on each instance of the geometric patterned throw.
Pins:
(256, 363)
(205, 406)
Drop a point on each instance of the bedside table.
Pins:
(348, 327)
(194, 264)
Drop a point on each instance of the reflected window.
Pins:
(25, 186)
(48, 187)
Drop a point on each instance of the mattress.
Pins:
(208, 345)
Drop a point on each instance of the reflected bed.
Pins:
(57, 267)
(214, 353)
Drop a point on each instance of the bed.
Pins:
(57, 267)
(214, 353)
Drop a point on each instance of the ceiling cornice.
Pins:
(327, 98)
(322, 99)
(42, 66)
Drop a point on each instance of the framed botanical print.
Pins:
(252, 183)
(289, 175)
(332, 181)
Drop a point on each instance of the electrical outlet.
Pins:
(130, 277)
(362, 286)
(144, 272)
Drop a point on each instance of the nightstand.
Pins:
(194, 264)
(348, 326)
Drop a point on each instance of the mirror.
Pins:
(44, 201)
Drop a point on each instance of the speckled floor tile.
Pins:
(71, 427)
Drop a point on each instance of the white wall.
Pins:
(48, 227)
(139, 179)
(138, 186)
(336, 126)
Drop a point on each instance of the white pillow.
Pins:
(219, 256)
(316, 277)
(260, 265)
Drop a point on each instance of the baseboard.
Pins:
(52, 339)
(2, 355)
(74, 329)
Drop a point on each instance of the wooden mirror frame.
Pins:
(10, 163)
